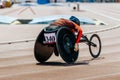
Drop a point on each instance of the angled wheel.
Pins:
(65, 45)
(95, 46)
(42, 52)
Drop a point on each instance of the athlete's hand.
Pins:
(76, 47)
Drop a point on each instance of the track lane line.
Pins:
(101, 14)
(99, 76)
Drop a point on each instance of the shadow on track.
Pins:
(61, 64)
(83, 62)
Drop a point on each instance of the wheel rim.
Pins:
(67, 43)
(95, 50)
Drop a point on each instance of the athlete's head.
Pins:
(75, 20)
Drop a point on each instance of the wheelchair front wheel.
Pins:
(95, 45)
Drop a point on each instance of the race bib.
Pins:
(50, 38)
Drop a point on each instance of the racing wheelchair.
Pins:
(61, 41)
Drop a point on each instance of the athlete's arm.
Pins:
(79, 30)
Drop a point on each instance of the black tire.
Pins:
(95, 50)
(65, 45)
(42, 52)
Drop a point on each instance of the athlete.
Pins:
(73, 24)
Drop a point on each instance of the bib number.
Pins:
(50, 38)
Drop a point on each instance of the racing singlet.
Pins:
(73, 26)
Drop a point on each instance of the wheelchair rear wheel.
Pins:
(65, 45)
(42, 52)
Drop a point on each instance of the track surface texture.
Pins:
(17, 60)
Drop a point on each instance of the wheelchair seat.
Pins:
(51, 29)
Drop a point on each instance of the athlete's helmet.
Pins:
(75, 20)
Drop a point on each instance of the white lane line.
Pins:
(34, 72)
(101, 14)
(111, 11)
(103, 30)
(51, 69)
(99, 76)
(28, 72)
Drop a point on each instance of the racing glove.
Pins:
(76, 47)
